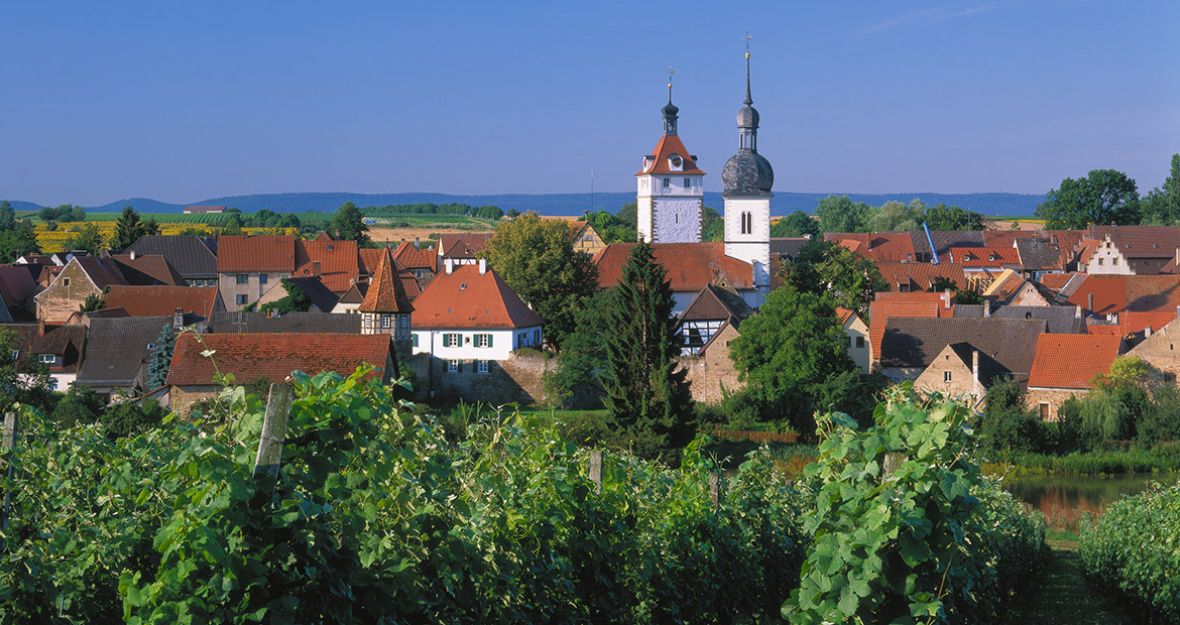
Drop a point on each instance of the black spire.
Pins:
(670, 110)
(748, 101)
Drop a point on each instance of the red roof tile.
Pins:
(465, 245)
(148, 270)
(1114, 294)
(339, 264)
(690, 266)
(1056, 281)
(1140, 241)
(920, 276)
(386, 294)
(1072, 360)
(880, 246)
(17, 285)
(1133, 321)
(466, 298)
(103, 271)
(273, 355)
(411, 257)
(255, 253)
(894, 305)
(667, 146)
(1103, 329)
(985, 256)
(162, 301)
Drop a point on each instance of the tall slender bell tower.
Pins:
(746, 180)
(671, 188)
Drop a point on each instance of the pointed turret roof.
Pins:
(386, 294)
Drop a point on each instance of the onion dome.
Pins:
(747, 172)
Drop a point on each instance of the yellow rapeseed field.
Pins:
(54, 241)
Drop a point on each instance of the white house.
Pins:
(469, 317)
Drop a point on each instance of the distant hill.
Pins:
(556, 204)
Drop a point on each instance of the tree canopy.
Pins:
(294, 301)
(17, 238)
(536, 257)
(840, 214)
(646, 395)
(128, 229)
(943, 217)
(88, 237)
(789, 350)
(349, 225)
(825, 267)
(1103, 197)
(1161, 207)
(796, 224)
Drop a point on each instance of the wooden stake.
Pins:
(274, 429)
(7, 443)
(715, 489)
(596, 469)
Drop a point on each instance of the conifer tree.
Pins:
(127, 230)
(161, 358)
(647, 398)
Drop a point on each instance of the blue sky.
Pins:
(186, 101)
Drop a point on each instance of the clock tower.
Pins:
(671, 188)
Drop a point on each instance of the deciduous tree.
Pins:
(840, 214)
(1161, 207)
(796, 224)
(943, 217)
(1103, 197)
(536, 257)
(349, 225)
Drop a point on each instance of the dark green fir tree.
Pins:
(161, 358)
(647, 397)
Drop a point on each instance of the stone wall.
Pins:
(519, 378)
(183, 397)
(713, 369)
(1159, 350)
(1053, 397)
(962, 379)
(65, 295)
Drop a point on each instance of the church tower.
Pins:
(671, 188)
(746, 181)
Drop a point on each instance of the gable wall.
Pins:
(56, 303)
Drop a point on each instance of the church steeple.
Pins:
(747, 118)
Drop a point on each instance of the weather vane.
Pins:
(748, 38)
(670, 72)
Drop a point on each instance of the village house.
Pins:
(248, 266)
(911, 346)
(118, 352)
(857, 332)
(386, 309)
(909, 305)
(319, 297)
(586, 238)
(264, 358)
(298, 322)
(690, 267)
(712, 308)
(1140, 250)
(17, 288)
(59, 349)
(195, 258)
(1065, 366)
(197, 303)
(887, 247)
(460, 249)
(1159, 350)
(469, 331)
(79, 279)
(711, 373)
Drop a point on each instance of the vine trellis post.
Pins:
(274, 430)
(7, 443)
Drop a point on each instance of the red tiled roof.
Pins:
(465, 245)
(1103, 329)
(273, 355)
(1140, 241)
(920, 276)
(1072, 360)
(16, 285)
(843, 314)
(667, 146)
(103, 271)
(324, 235)
(893, 305)
(1056, 281)
(148, 270)
(339, 265)
(1004, 238)
(256, 253)
(466, 298)
(386, 294)
(690, 266)
(1133, 321)
(411, 257)
(880, 246)
(1116, 293)
(985, 256)
(162, 301)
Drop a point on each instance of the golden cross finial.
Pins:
(748, 38)
(670, 72)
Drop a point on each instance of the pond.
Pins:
(1063, 499)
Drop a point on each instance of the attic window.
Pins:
(463, 286)
(151, 346)
(65, 282)
(330, 248)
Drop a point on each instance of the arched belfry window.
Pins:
(747, 223)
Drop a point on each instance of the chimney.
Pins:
(416, 245)
(975, 367)
(315, 268)
(987, 308)
(1090, 302)
(133, 254)
(946, 296)
(178, 318)
(1147, 332)
(41, 327)
(483, 266)
(450, 264)
(1077, 312)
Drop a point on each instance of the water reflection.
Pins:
(1063, 499)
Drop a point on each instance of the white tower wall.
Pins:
(751, 244)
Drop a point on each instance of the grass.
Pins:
(1060, 594)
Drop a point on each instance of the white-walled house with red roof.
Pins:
(469, 317)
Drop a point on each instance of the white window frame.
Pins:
(452, 339)
(946, 377)
(386, 322)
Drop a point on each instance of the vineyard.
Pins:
(376, 517)
(1135, 547)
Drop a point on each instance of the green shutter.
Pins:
(489, 340)
(460, 368)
